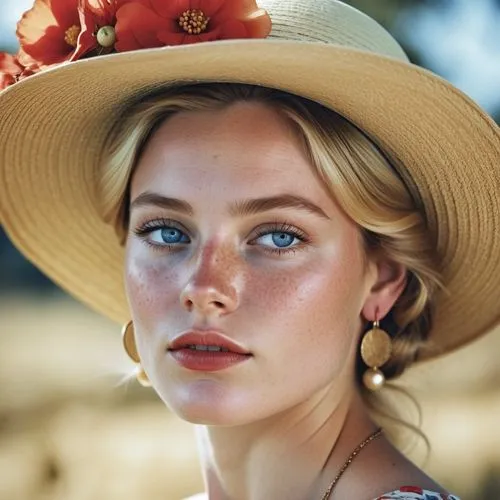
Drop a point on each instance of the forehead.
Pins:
(245, 149)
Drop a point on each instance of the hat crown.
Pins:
(331, 22)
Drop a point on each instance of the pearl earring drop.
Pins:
(376, 350)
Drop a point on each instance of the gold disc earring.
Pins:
(376, 350)
(128, 338)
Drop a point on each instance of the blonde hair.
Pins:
(358, 175)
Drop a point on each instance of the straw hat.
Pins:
(53, 126)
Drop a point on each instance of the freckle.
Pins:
(231, 261)
(225, 262)
(278, 290)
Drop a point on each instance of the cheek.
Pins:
(312, 307)
(151, 284)
(326, 284)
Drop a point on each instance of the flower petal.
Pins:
(137, 26)
(26, 60)
(232, 30)
(171, 9)
(6, 80)
(86, 43)
(50, 48)
(9, 64)
(238, 9)
(34, 22)
(11, 71)
(102, 12)
(258, 24)
(88, 23)
(210, 36)
(65, 12)
(210, 7)
(27, 72)
(173, 38)
(257, 21)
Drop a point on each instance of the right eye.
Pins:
(168, 236)
(162, 234)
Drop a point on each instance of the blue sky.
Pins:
(461, 43)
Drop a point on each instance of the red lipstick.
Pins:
(206, 351)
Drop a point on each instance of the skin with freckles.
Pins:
(286, 279)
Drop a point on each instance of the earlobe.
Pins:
(390, 284)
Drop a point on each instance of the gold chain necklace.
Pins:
(348, 462)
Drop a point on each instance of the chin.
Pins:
(207, 402)
(202, 416)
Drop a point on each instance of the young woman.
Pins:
(282, 224)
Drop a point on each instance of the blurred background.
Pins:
(70, 429)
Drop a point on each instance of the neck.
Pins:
(292, 455)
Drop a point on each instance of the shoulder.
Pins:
(415, 493)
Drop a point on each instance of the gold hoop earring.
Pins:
(376, 350)
(128, 338)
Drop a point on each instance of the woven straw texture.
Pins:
(53, 127)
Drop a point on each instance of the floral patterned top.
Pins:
(404, 493)
(415, 493)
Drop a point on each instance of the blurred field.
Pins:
(69, 430)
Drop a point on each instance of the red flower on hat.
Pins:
(155, 23)
(48, 33)
(11, 70)
(97, 19)
(58, 31)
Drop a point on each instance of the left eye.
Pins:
(278, 239)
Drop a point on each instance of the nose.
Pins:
(212, 289)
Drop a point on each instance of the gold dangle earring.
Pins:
(376, 350)
(128, 337)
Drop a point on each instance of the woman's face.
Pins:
(232, 232)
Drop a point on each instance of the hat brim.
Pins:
(53, 127)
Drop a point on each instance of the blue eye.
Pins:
(277, 239)
(161, 233)
(167, 236)
(172, 235)
(283, 240)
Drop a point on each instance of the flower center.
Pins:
(193, 21)
(71, 35)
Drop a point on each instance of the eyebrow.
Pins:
(240, 208)
(157, 200)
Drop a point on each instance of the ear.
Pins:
(390, 282)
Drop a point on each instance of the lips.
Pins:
(206, 339)
(207, 351)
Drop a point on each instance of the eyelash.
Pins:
(274, 227)
(282, 227)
